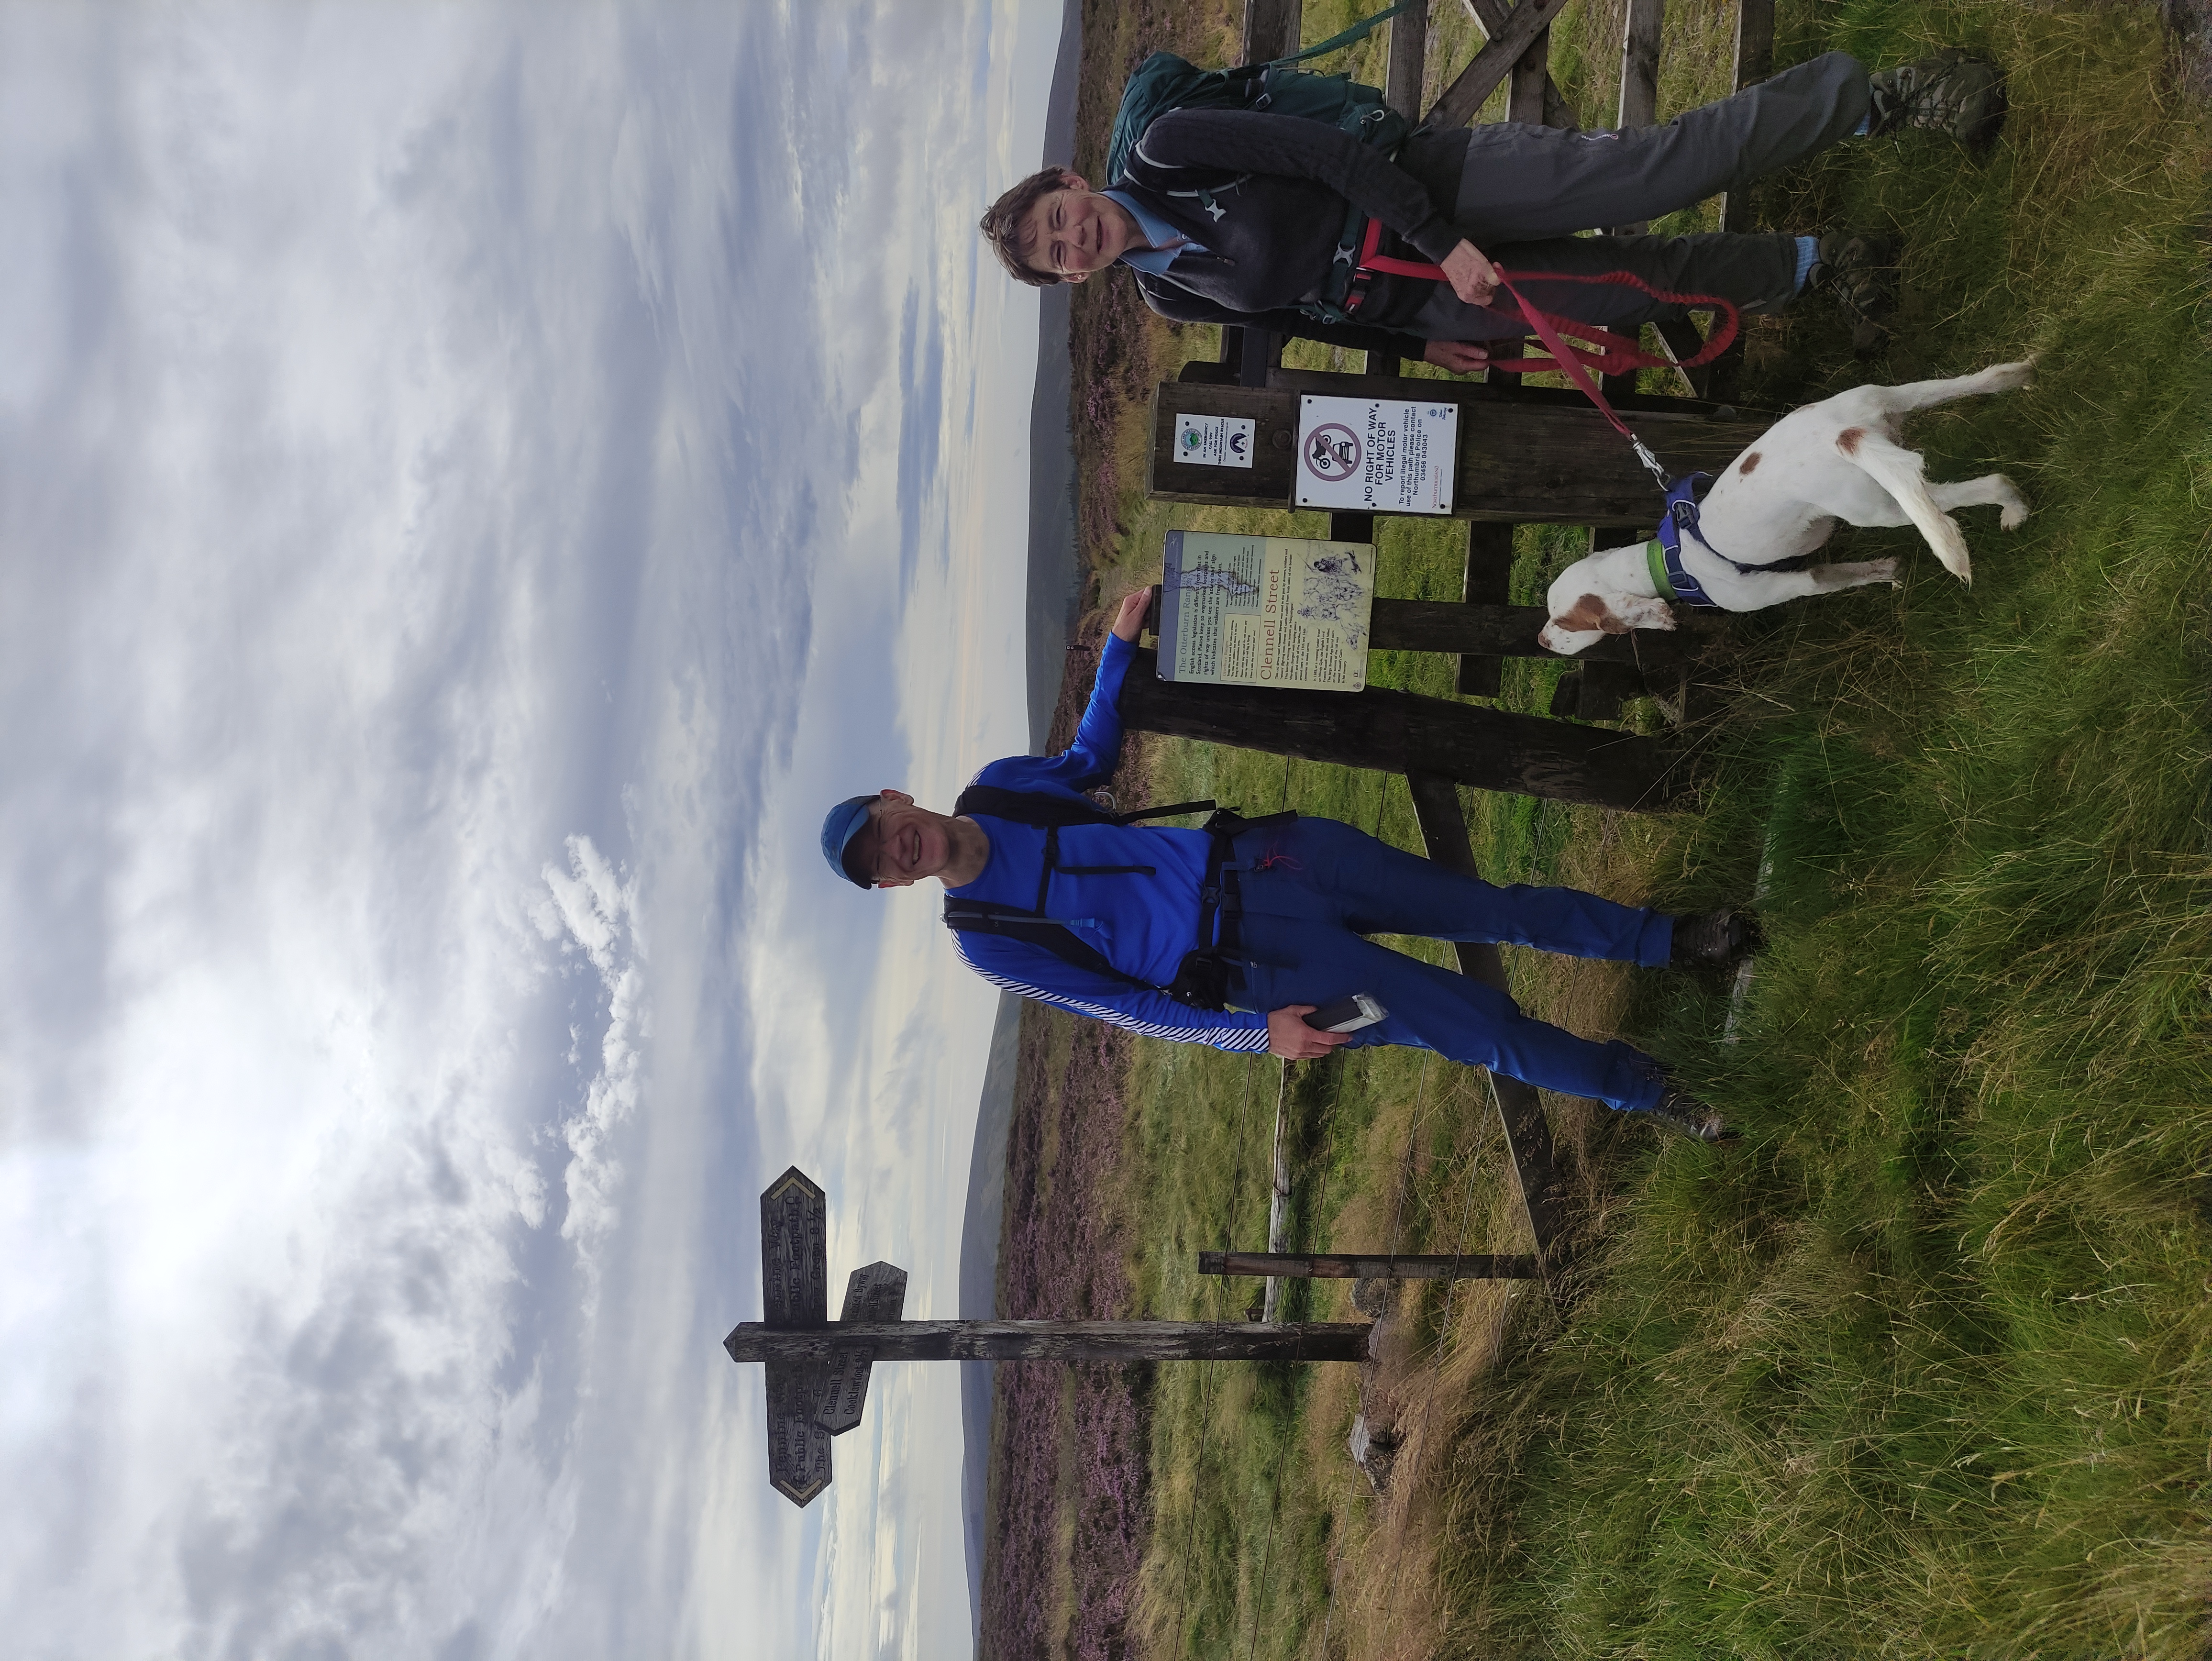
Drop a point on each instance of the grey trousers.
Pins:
(1758, 272)
(1520, 183)
(1524, 191)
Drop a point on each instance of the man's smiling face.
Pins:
(902, 842)
(1073, 231)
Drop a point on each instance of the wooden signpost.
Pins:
(817, 1370)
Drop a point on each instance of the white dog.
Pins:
(1839, 458)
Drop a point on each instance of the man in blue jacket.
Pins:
(1103, 919)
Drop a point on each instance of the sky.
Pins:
(476, 481)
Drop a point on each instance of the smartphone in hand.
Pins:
(1346, 1014)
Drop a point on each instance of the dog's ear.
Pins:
(1590, 612)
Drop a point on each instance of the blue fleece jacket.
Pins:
(1142, 925)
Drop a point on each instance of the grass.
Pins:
(1922, 1367)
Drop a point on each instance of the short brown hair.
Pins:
(1003, 225)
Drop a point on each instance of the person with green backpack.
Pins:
(1260, 197)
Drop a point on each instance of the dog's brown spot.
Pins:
(1588, 613)
(1749, 462)
(1848, 440)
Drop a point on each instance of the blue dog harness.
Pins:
(1664, 551)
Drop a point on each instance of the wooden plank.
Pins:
(1520, 459)
(799, 1463)
(1404, 732)
(876, 1292)
(1338, 383)
(1510, 631)
(1528, 1135)
(1683, 342)
(794, 1251)
(1271, 29)
(1490, 16)
(1409, 47)
(1464, 98)
(1279, 1200)
(1524, 87)
(1055, 1340)
(1487, 580)
(1263, 349)
(1639, 63)
(1327, 1266)
(1754, 62)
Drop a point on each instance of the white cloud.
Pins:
(592, 907)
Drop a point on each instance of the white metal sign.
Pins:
(1376, 454)
(1210, 440)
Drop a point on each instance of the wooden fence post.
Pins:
(1528, 1135)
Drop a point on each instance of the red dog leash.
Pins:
(1618, 353)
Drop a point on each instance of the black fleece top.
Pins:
(1267, 195)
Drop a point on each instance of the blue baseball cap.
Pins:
(839, 826)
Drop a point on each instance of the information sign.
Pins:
(1214, 441)
(1254, 610)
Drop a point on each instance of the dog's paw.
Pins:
(1884, 570)
(2011, 377)
(2013, 512)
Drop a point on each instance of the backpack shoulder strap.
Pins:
(1038, 807)
(981, 917)
(1049, 812)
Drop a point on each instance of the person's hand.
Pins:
(1131, 618)
(1289, 1037)
(1460, 356)
(1474, 279)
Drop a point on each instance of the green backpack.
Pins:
(1163, 83)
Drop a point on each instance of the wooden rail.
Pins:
(1052, 1341)
(1399, 1266)
(1403, 733)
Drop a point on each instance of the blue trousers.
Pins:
(1315, 888)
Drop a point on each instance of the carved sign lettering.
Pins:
(877, 1293)
(794, 1252)
(798, 1446)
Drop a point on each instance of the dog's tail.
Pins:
(1898, 471)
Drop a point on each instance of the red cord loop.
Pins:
(1617, 354)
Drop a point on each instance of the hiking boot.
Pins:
(1948, 92)
(1714, 940)
(1685, 1115)
(1860, 273)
